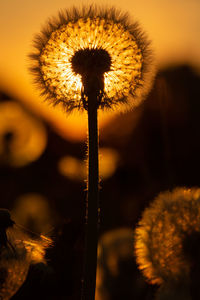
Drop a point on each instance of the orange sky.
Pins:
(172, 25)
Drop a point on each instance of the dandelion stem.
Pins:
(92, 201)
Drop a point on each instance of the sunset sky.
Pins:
(172, 25)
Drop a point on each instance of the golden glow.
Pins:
(36, 248)
(75, 168)
(28, 135)
(175, 42)
(160, 234)
(108, 161)
(72, 168)
(93, 33)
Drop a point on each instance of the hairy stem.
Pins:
(92, 201)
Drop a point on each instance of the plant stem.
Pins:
(92, 201)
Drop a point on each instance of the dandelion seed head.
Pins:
(22, 137)
(162, 232)
(92, 41)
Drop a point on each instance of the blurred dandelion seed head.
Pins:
(75, 169)
(161, 234)
(115, 248)
(22, 137)
(92, 40)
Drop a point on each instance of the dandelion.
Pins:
(165, 235)
(117, 275)
(98, 49)
(115, 250)
(17, 252)
(90, 59)
(22, 137)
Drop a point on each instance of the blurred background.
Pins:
(142, 152)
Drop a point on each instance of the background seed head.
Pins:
(162, 232)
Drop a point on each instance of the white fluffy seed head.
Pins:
(161, 234)
(129, 75)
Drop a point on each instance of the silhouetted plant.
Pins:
(89, 59)
(167, 243)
